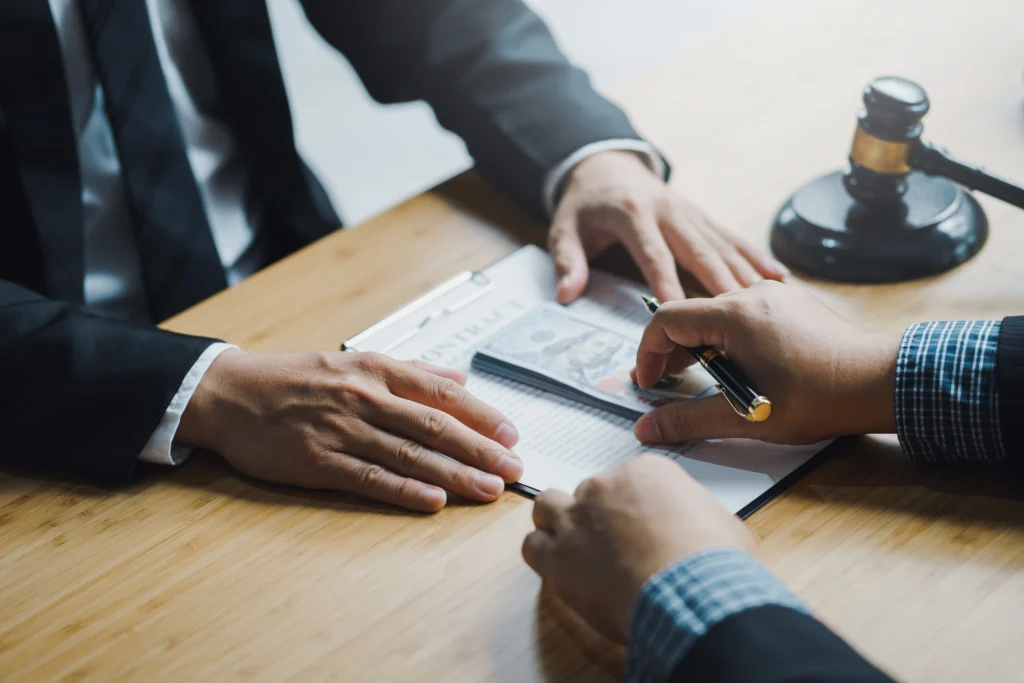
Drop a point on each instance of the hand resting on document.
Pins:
(356, 422)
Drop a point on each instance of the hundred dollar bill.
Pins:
(551, 349)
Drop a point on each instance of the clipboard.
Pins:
(530, 272)
(449, 297)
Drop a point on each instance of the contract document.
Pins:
(561, 375)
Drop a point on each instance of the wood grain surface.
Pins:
(197, 573)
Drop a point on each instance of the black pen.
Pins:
(747, 401)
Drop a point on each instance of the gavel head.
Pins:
(887, 128)
(892, 214)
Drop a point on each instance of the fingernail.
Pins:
(433, 498)
(507, 435)
(783, 270)
(647, 430)
(562, 289)
(510, 469)
(489, 485)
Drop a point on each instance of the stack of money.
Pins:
(550, 349)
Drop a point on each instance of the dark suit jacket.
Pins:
(773, 644)
(84, 393)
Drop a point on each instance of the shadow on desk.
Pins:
(868, 472)
(553, 616)
(204, 472)
(873, 472)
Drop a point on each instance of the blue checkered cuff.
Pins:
(947, 403)
(681, 603)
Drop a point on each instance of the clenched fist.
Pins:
(598, 547)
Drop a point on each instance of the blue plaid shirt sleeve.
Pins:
(947, 403)
(681, 603)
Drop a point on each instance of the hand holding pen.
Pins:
(824, 376)
(745, 400)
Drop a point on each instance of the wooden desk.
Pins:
(198, 574)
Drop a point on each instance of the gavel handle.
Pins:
(935, 161)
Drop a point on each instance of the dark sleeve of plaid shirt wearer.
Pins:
(1010, 385)
(721, 616)
(681, 603)
(960, 391)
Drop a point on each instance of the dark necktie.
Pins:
(180, 265)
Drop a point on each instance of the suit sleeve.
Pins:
(491, 71)
(774, 644)
(721, 616)
(1010, 385)
(81, 392)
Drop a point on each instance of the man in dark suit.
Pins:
(147, 161)
(647, 555)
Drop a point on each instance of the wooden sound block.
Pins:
(934, 226)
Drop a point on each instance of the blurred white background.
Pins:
(372, 157)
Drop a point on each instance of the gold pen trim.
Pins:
(708, 355)
(760, 408)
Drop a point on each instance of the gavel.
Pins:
(899, 211)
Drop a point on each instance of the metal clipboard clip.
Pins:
(426, 310)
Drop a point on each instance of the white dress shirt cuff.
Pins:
(161, 448)
(555, 177)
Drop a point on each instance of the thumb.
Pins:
(704, 418)
(570, 257)
(539, 553)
